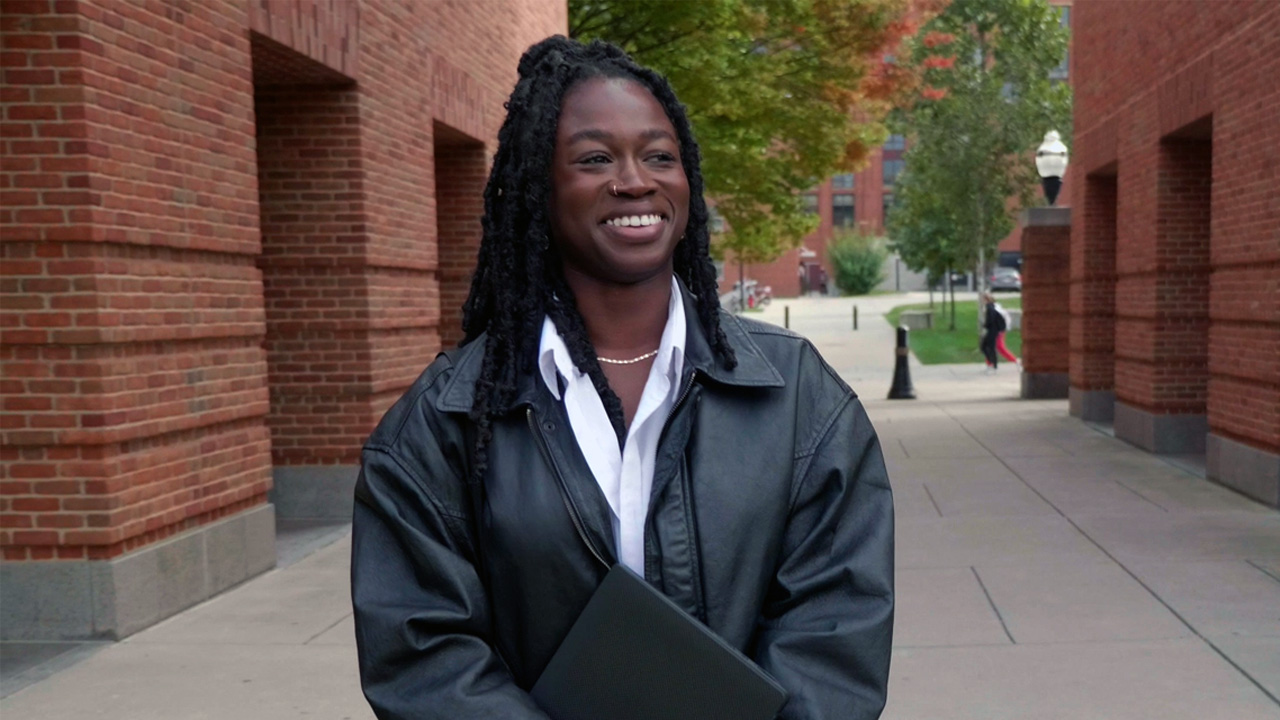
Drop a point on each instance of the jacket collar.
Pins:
(753, 369)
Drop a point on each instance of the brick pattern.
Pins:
(314, 280)
(1178, 93)
(153, 336)
(1092, 331)
(461, 172)
(1045, 298)
(325, 31)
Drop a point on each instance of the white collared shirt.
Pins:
(625, 475)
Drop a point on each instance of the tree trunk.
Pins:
(953, 299)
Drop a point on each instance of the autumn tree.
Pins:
(986, 99)
(781, 94)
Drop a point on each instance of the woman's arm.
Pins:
(423, 626)
(827, 627)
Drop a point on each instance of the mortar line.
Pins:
(992, 603)
(1262, 688)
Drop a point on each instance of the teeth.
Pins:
(635, 221)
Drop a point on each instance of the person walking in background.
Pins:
(995, 324)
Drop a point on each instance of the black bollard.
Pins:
(786, 316)
(902, 389)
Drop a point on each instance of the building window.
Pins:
(1061, 72)
(895, 142)
(889, 201)
(842, 210)
(891, 170)
(810, 201)
(843, 181)
(715, 221)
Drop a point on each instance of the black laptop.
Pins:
(634, 655)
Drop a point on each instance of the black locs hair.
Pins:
(518, 278)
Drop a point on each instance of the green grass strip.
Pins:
(943, 346)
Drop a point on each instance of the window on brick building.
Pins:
(1061, 72)
(842, 210)
(895, 142)
(810, 201)
(892, 168)
(889, 203)
(843, 181)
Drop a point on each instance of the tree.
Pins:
(857, 257)
(781, 94)
(985, 101)
(925, 234)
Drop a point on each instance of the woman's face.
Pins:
(615, 138)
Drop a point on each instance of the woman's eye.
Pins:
(663, 157)
(595, 159)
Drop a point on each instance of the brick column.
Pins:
(1046, 243)
(1093, 302)
(135, 452)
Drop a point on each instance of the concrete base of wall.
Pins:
(1093, 405)
(77, 600)
(322, 492)
(1245, 469)
(1045, 385)
(1166, 434)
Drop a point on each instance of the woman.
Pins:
(602, 409)
(995, 323)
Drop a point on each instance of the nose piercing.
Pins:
(613, 190)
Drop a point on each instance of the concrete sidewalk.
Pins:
(1045, 570)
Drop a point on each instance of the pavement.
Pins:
(1045, 570)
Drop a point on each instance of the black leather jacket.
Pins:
(771, 520)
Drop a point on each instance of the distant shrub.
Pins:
(858, 260)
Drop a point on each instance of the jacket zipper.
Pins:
(679, 401)
(564, 490)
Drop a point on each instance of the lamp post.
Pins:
(1051, 163)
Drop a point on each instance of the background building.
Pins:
(1175, 239)
(229, 230)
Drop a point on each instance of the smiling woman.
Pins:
(603, 411)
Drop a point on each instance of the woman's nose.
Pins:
(633, 180)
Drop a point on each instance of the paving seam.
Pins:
(1122, 566)
(1144, 497)
(332, 626)
(935, 502)
(1264, 571)
(992, 603)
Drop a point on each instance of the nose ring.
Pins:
(613, 190)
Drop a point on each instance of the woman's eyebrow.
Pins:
(605, 135)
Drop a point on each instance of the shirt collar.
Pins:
(553, 355)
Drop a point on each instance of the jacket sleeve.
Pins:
(827, 625)
(423, 628)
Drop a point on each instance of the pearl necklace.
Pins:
(632, 361)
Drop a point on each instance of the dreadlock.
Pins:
(519, 278)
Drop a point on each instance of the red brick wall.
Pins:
(1180, 99)
(1093, 286)
(461, 172)
(1045, 298)
(135, 329)
(311, 196)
